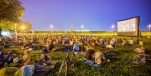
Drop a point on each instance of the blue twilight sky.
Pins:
(93, 14)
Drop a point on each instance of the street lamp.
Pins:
(23, 27)
(15, 28)
(15, 31)
(51, 27)
(112, 26)
(82, 26)
(149, 26)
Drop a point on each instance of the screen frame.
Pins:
(130, 33)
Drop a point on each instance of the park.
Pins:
(53, 38)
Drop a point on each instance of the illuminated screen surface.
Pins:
(127, 25)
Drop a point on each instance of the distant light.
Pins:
(149, 25)
(23, 27)
(83, 30)
(82, 26)
(5, 33)
(15, 24)
(51, 26)
(113, 26)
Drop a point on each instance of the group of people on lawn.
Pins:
(86, 45)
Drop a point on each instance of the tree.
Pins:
(11, 10)
(17, 25)
(25, 24)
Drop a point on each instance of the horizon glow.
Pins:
(95, 15)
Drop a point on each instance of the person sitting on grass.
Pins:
(131, 41)
(27, 69)
(148, 56)
(44, 51)
(99, 57)
(43, 64)
(9, 58)
(89, 57)
(141, 42)
(139, 50)
(76, 48)
(12, 60)
(44, 60)
(124, 43)
(2, 60)
(51, 46)
(95, 57)
(89, 54)
(110, 46)
(142, 56)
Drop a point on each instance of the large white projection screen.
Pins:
(128, 27)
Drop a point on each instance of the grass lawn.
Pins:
(120, 64)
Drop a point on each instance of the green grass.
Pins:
(120, 64)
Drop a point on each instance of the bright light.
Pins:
(23, 27)
(113, 26)
(149, 26)
(51, 26)
(83, 30)
(15, 24)
(82, 26)
(5, 33)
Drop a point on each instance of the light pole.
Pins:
(51, 27)
(82, 27)
(32, 32)
(15, 32)
(149, 26)
(32, 35)
(113, 26)
(23, 27)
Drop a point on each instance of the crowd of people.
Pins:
(84, 44)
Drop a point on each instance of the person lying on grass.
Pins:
(11, 58)
(44, 50)
(2, 60)
(26, 68)
(143, 54)
(95, 59)
(44, 64)
(44, 60)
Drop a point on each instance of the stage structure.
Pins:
(128, 27)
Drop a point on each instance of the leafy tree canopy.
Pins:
(11, 10)
(17, 25)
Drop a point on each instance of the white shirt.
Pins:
(131, 41)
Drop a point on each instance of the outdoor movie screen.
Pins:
(128, 27)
